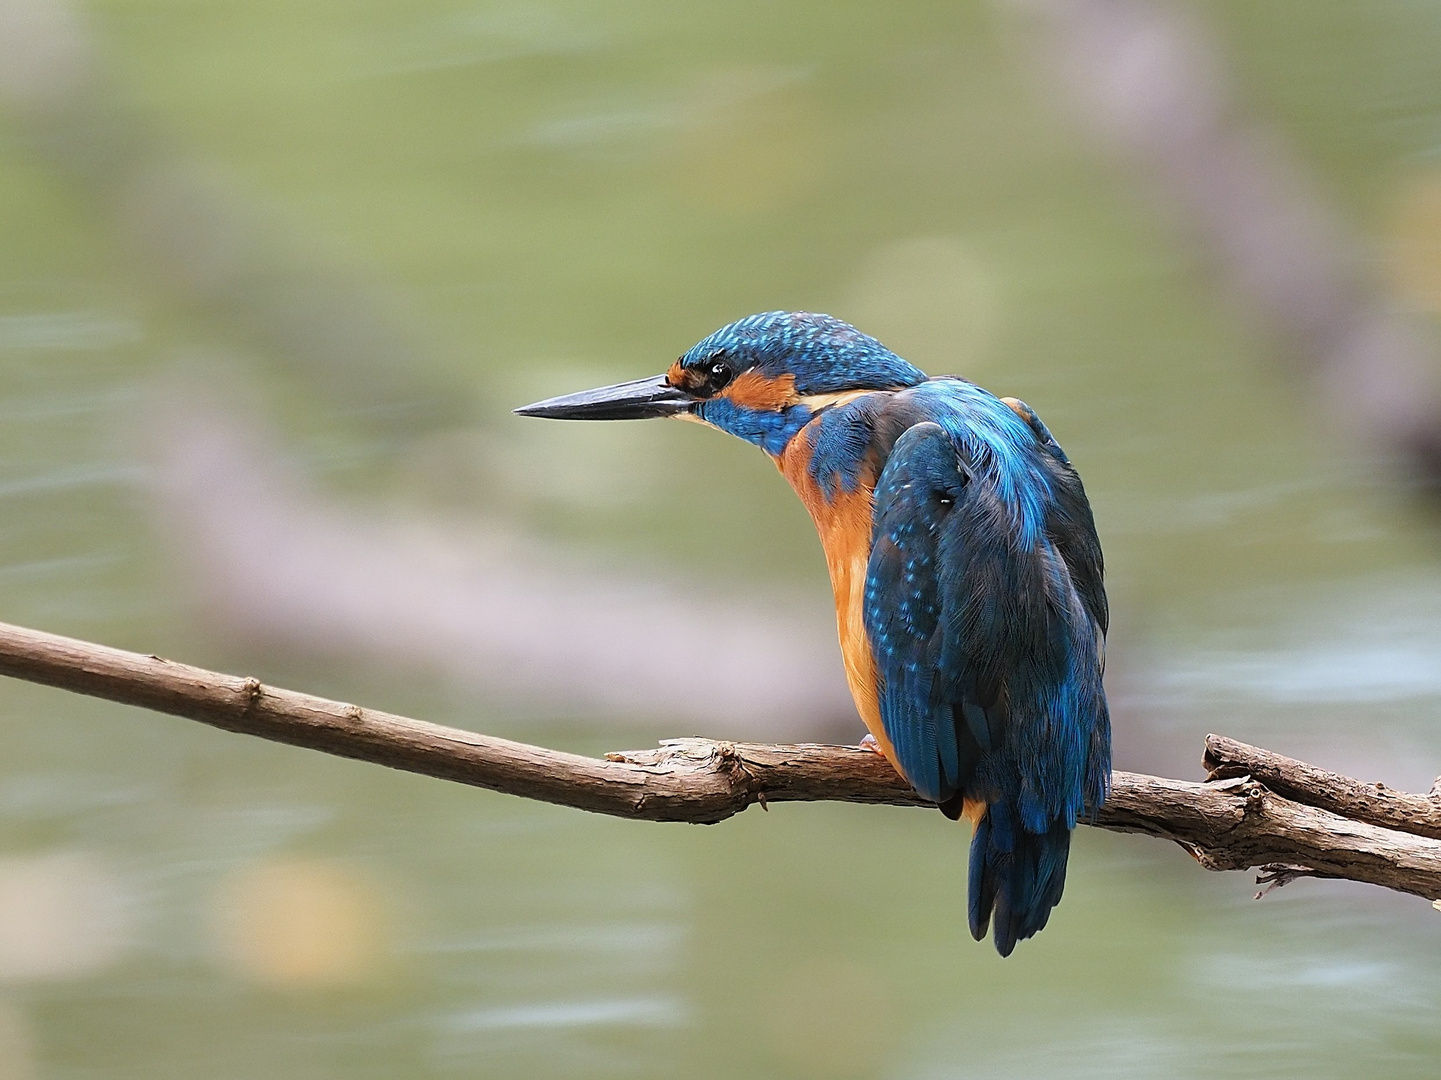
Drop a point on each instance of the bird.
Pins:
(966, 569)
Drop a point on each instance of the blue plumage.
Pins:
(974, 628)
(989, 659)
(839, 444)
(806, 345)
(771, 430)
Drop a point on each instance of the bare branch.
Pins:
(1227, 824)
(1376, 803)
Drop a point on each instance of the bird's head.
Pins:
(761, 378)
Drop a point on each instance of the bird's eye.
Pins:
(720, 374)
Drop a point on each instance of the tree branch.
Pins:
(1283, 816)
(1375, 803)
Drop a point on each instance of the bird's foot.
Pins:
(869, 743)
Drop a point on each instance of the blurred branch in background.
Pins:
(1149, 79)
(1231, 823)
(206, 246)
(276, 563)
(487, 608)
(270, 278)
(298, 571)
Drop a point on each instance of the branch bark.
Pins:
(1374, 803)
(1259, 810)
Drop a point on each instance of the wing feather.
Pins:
(915, 499)
(986, 613)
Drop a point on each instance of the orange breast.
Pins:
(844, 524)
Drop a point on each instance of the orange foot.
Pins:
(869, 743)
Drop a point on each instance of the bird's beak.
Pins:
(637, 400)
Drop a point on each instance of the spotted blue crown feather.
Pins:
(824, 354)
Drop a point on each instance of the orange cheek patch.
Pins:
(754, 391)
(688, 379)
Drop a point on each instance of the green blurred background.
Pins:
(272, 276)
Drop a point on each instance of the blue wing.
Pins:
(916, 498)
(988, 651)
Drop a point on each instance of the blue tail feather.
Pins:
(1015, 875)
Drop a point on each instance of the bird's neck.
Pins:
(842, 516)
(760, 422)
(771, 429)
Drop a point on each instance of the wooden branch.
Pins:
(1284, 816)
(1376, 803)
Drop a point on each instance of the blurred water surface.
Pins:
(362, 232)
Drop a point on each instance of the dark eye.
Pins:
(720, 374)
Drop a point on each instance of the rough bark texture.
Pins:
(1374, 803)
(1286, 817)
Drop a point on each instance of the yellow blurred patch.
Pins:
(299, 923)
(831, 1017)
(1413, 240)
(756, 142)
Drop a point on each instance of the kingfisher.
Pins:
(966, 569)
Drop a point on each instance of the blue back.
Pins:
(986, 614)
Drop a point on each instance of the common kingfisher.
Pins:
(966, 570)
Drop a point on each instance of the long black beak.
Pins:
(638, 400)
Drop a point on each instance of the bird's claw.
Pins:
(869, 743)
